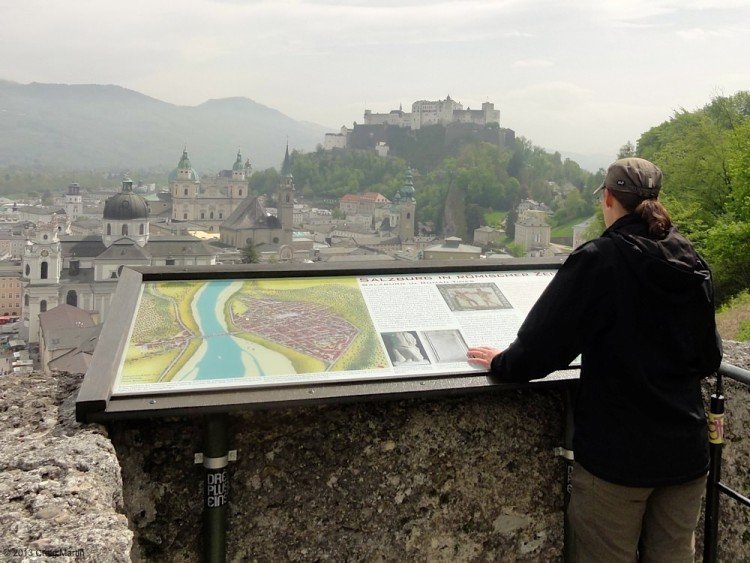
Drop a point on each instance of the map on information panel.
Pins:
(227, 333)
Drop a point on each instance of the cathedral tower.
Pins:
(237, 187)
(42, 263)
(184, 184)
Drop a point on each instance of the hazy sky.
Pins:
(579, 76)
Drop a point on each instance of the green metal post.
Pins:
(716, 441)
(567, 483)
(215, 488)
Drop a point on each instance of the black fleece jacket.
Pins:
(640, 311)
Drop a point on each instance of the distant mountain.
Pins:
(591, 162)
(91, 126)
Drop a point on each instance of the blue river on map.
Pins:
(223, 357)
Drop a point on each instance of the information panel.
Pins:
(199, 340)
(191, 335)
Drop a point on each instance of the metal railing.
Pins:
(716, 438)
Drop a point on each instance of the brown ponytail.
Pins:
(651, 211)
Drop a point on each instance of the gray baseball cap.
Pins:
(634, 175)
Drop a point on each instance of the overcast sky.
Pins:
(578, 76)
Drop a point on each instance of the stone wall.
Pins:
(463, 478)
(734, 529)
(60, 486)
(449, 479)
(459, 479)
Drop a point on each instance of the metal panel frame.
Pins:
(96, 403)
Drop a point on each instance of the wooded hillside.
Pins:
(705, 157)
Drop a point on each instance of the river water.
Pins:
(223, 356)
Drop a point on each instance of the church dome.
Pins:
(238, 166)
(126, 205)
(185, 165)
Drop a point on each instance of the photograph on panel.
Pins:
(473, 296)
(445, 345)
(404, 347)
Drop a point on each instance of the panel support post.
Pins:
(215, 487)
(716, 442)
(567, 484)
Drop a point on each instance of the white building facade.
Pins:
(435, 112)
(210, 201)
(73, 202)
(83, 271)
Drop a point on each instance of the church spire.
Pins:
(184, 163)
(127, 185)
(238, 163)
(286, 167)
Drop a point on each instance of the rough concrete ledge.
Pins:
(453, 479)
(60, 484)
(458, 479)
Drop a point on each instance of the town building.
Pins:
(531, 205)
(82, 271)
(251, 224)
(337, 140)
(372, 213)
(488, 236)
(86, 226)
(382, 149)
(74, 202)
(209, 201)
(63, 330)
(11, 289)
(38, 214)
(9, 213)
(452, 249)
(532, 232)
(368, 203)
(12, 244)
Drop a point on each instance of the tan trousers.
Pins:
(607, 520)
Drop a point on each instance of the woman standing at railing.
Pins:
(637, 304)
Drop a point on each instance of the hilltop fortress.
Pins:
(481, 124)
(441, 112)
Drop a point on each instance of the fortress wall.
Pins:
(462, 478)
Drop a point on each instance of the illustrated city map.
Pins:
(249, 329)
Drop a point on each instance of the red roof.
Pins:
(365, 197)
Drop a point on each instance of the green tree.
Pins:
(704, 157)
(510, 222)
(626, 151)
(264, 181)
(332, 174)
(474, 219)
(515, 250)
(573, 206)
(250, 254)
